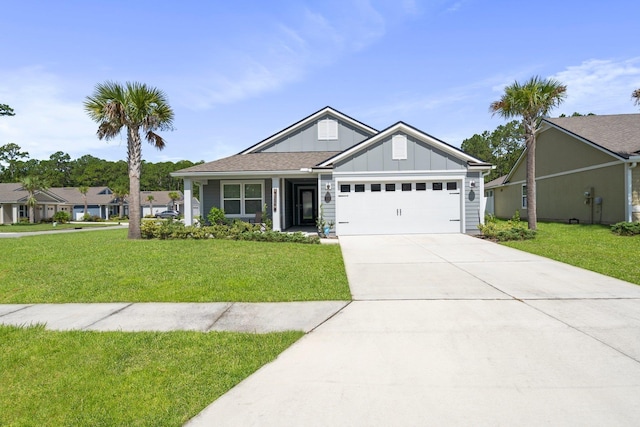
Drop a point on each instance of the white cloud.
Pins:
(49, 117)
(600, 86)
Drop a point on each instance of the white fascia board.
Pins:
(304, 122)
(399, 175)
(407, 130)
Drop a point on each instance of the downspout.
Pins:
(628, 178)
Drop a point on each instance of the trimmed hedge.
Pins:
(238, 230)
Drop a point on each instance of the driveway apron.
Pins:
(454, 330)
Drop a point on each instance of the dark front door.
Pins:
(306, 206)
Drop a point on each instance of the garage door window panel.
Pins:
(389, 187)
(437, 186)
(358, 188)
(345, 188)
(376, 187)
(421, 186)
(406, 186)
(452, 186)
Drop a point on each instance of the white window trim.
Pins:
(327, 130)
(242, 197)
(523, 197)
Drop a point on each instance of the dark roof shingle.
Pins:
(618, 133)
(254, 162)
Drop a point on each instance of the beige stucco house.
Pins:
(586, 171)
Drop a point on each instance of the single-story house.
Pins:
(101, 202)
(586, 171)
(162, 201)
(361, 180)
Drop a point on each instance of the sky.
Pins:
(237, 72)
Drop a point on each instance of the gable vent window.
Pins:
(327, 130)
(399, 147)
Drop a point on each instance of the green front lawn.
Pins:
(593, 247)
(123, 379)
(24, 228)
(105, 266)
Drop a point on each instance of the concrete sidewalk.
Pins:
(236, 317)
(451, 330)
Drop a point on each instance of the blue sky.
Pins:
(236, 72)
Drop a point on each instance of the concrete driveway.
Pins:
(453, 330)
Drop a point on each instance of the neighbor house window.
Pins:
(399, 147)
(242, 198)
(327, 130)
(524, 197)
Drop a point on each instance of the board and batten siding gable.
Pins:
(420, 156)
(306, 139)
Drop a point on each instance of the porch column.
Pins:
(201, 212)
(14, 214)
(188, 197)
(275, 204)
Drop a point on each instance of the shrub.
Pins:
(216, 216)
(238, 230)
(626, 228)
(513, 229)
(62, 217)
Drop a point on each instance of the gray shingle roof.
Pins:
(618, 133)
(254, 162)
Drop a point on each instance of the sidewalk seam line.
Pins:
(108, 315)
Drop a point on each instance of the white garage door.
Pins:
(398, 207)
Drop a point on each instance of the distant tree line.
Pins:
(62, 171)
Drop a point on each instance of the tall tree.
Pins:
(132, 107)
(120, 192)
(83, 189)
(33, 184)
(174, 196)
(5, 110)
(532, 101)
(635, 95)
(150, 199)
(10, 155)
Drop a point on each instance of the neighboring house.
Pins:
(13, 203)
(586, 171)
(101, 202)
(395, 181)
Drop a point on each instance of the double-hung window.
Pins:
(524, 197)
(242, 198)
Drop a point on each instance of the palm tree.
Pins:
(83, 189)
(133, 107)
(150, 199)
(33, 184)
(532, 101)
(120, 193)
(174, 196)
(636, 96)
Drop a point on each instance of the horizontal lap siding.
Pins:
(329, 209)
(472, 208)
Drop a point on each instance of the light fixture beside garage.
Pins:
(327, 197)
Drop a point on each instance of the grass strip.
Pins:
(26, 228)
(592, 247)
(123, 379)
(105, 266)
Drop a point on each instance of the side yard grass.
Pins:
(25, 228)
(123, 379)
(593, 247)
(105, 266)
